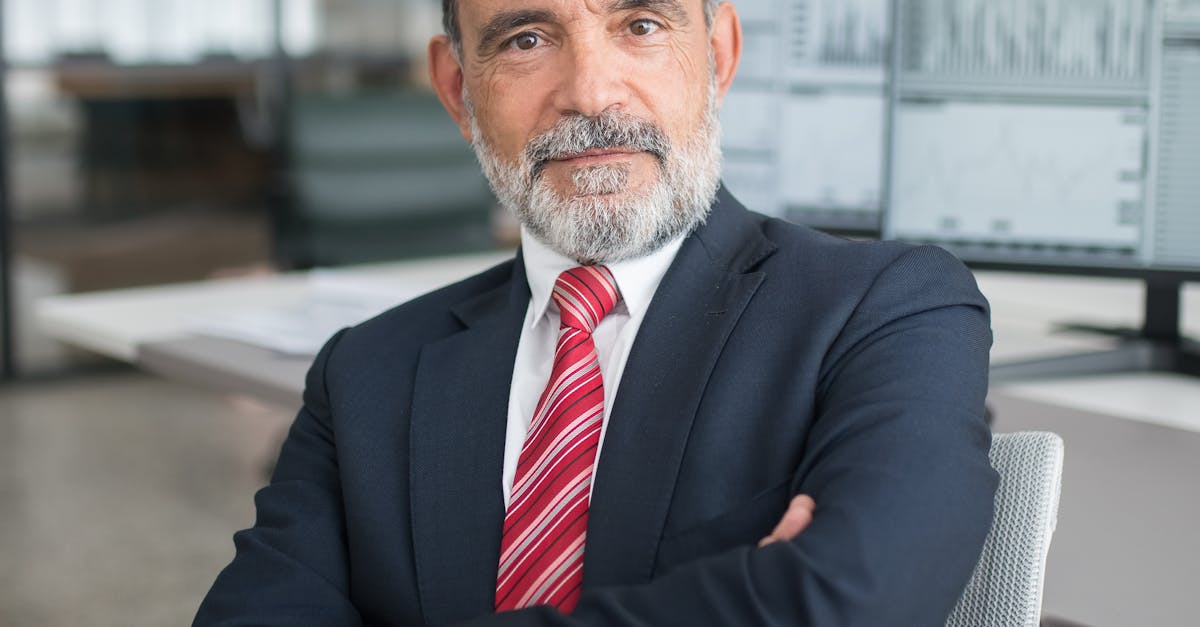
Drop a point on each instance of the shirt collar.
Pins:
(637, 279)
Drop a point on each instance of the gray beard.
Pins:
(603, 221)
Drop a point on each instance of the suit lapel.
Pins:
(459, 416)
(696, 307)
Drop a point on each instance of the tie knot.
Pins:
(585, 295)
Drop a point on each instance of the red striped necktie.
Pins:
(541, 551)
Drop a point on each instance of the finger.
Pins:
(798, 515)
(793, 522)
(805, 501)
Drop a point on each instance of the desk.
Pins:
(118, 323)
(151, 327)
(228, 366)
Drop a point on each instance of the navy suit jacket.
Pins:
(773, 361)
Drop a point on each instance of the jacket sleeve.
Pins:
(897, 462)
(287, 571)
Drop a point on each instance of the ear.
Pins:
(726, 45)
(445, 72)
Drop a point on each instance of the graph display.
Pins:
(1003, 124)
(1091, 41)
(808, 155)
(749, 138)
(750, 121)
(1005, 174)
(834, 152)
(836, 37)
(1177, 202)
(803, 125)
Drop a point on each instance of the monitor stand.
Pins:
(1159, 346)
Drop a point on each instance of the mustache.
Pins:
(577, 133)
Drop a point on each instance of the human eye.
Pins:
(642, 27)
(527, 40)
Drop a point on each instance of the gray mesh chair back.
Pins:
(1006, 588)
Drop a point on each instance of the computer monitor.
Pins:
(1055, 136)
(803, 124)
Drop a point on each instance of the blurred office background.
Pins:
(153, 142)
(159, 141)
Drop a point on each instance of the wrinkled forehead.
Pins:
(475, 15)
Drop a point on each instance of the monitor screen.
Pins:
(1056, 134)
(804, 122)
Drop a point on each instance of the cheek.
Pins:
(507, 114)
(676, 88)
(680, 107)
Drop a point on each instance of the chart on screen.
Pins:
(1039, 174)
(804, 137)
(1025, 42)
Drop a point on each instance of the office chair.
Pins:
(1006, 587)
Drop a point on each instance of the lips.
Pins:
(595, 152)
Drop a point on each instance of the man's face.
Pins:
(593, 113)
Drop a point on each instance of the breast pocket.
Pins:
(741, 525)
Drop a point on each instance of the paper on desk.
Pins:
(331, 301)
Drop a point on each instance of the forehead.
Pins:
(478, 10)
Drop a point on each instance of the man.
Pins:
(630, 423)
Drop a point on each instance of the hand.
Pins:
(795, 519)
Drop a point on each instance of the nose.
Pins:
(593, 80)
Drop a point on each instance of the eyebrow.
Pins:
(504, 22)
(672, 9)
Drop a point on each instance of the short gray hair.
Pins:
(450, 20)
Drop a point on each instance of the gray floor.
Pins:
(1126, 551)
(119, 497)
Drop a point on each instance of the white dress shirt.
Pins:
(637, 280)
